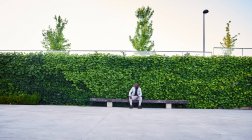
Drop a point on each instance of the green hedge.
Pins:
(206, 82)
(19, 98)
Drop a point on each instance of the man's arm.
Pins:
(131, 90)
(140, 92)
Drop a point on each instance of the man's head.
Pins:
(136, 85)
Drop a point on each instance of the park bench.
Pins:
(168, 103)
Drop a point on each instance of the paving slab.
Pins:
(50, 122)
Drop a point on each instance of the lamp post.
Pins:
(204, 12)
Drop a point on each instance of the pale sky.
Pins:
(107, 24)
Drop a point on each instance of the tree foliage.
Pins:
(141, 41)
(228, 40)
(54, 38)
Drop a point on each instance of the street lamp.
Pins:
(204, 12)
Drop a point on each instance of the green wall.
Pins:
(206, 82)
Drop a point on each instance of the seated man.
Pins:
(135, 93)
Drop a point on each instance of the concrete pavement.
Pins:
(49, 122)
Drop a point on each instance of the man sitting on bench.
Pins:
(135, 93)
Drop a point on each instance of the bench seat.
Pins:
(111, 101)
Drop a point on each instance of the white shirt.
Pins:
(132, 91)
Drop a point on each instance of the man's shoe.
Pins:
(140, 107)
(131, 107)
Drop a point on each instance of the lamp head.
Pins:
(205, 11)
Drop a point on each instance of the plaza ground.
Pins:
(50, 122)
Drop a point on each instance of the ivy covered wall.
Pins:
(206, 82)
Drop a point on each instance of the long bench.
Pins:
(168, 103)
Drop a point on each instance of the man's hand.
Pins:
(130, 97)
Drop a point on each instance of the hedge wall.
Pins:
(206, 82)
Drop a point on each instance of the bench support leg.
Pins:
(168, 106)
(109, 104)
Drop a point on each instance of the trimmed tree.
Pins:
(54, 38)
(141, 41)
